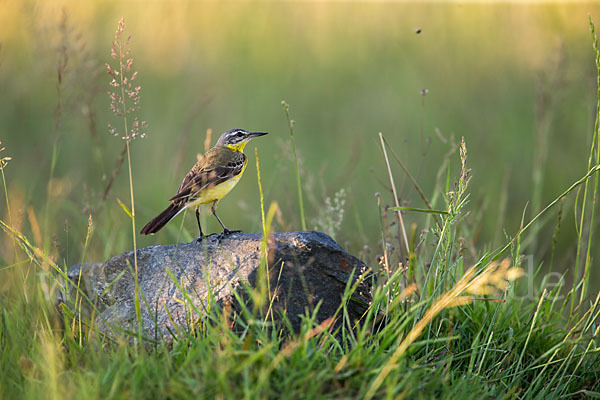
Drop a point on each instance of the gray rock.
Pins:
(305, 269)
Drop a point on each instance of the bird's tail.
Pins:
(161, 219)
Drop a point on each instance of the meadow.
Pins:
(479, 121)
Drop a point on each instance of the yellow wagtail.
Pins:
(213, 176)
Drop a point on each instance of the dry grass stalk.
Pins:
(389, 169)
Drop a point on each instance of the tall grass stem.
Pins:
(399, 213)
(291, 122)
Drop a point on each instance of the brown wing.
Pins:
(218, 165)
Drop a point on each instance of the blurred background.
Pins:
(517, 81)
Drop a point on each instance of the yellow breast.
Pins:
(219, 191)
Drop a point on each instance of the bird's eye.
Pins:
(240, 134)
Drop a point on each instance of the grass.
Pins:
(125, 101)
(457, 328)
(291, 123)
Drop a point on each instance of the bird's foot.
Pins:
(227, 232)
(210, 238)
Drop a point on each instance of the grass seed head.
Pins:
(124, 96)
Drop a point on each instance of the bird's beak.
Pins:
(257, 134)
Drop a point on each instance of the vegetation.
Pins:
(449, 317)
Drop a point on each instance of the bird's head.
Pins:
(236, 139)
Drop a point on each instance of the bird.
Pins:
(209, 180)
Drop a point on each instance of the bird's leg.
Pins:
(213, 209)
(199, 227)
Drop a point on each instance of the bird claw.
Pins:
(212, 237)
(216, 236)
(227, 232)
